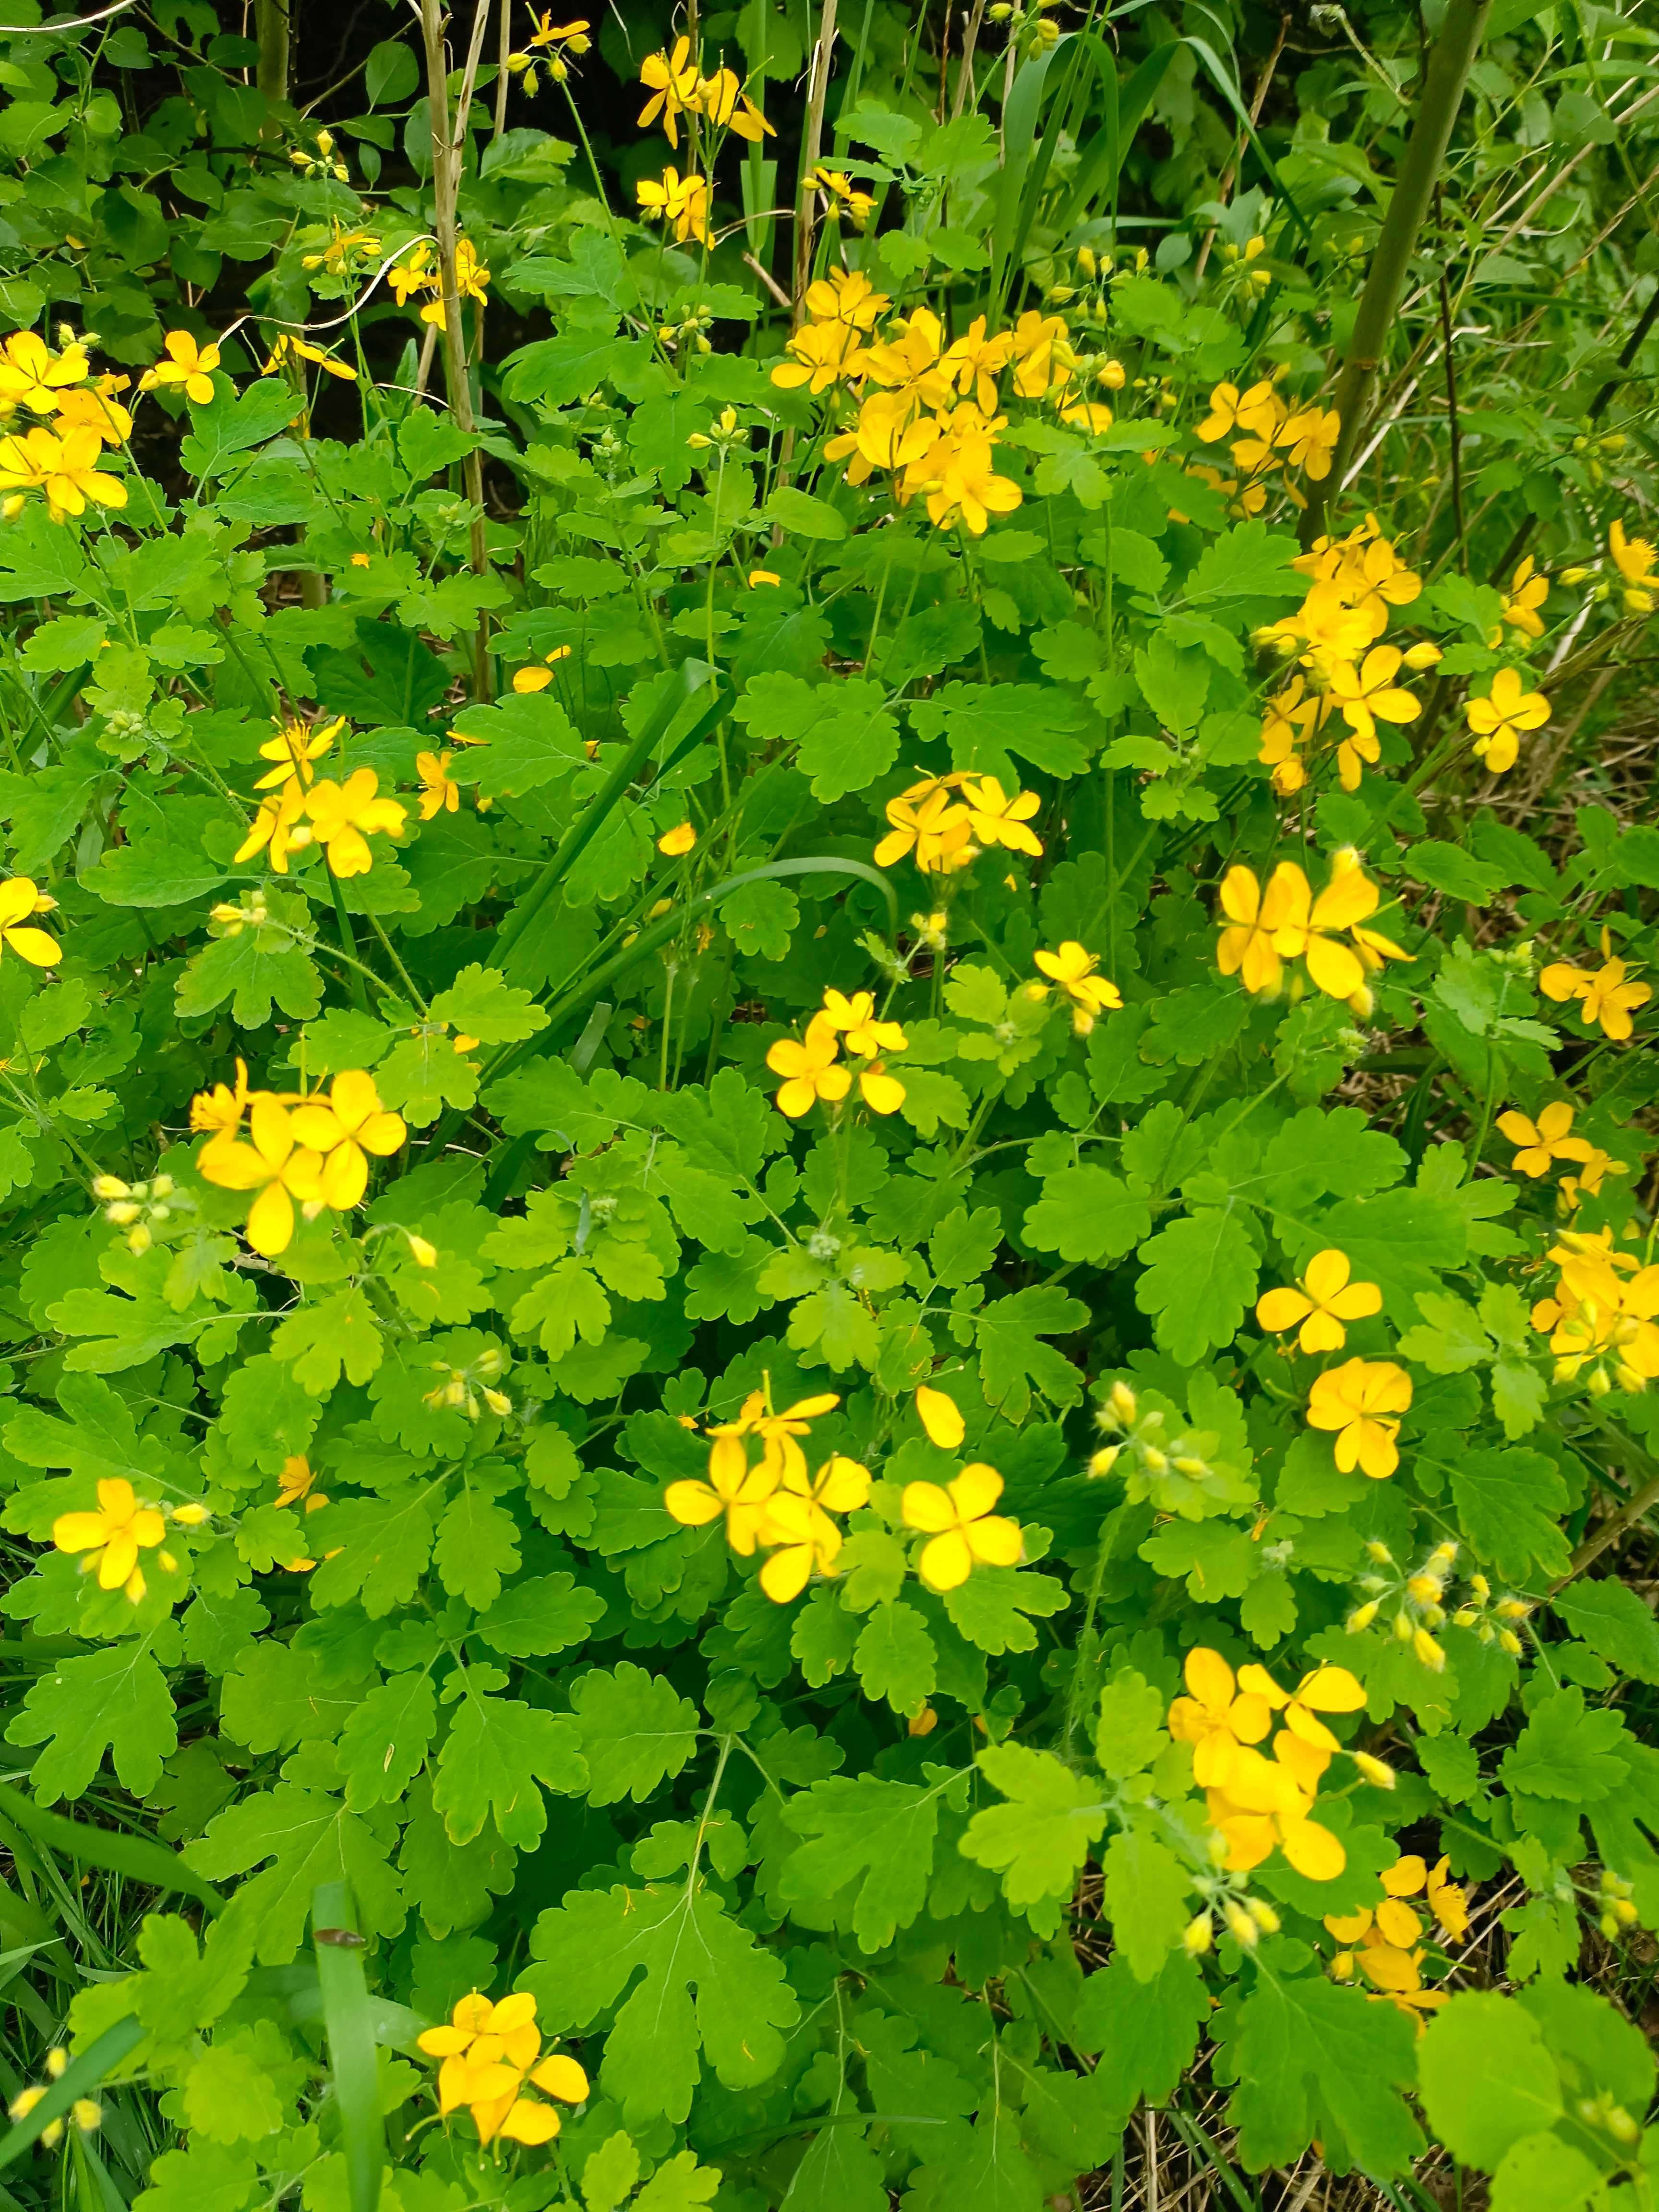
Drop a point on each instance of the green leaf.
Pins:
(384, 1742)
(1311, 2057)
(497, 1752)
(539, 1615)
(1146, 1893)
(1012, 1359)
(229, 2097)
(1614, 1622)
(986, 725)
(683, 1977)
(477, 1547)
(993, 1607)
(1145, 2032)
(1200, 1281)
(637, 1732)
(1486, 2077)
(894, 1657)
(1567, 1752)
(839, 2173)
(1129, 1733)
(374, 1549)
(874, 1834)
(1086, 1213)
(566, 1302)
(1039, 1841)
(481, 1003)
(1510, 1505)
(1543, 2174)
(803, 516)
(845, 737)
(340, 1335)
(310, 1838)
(115, 1699)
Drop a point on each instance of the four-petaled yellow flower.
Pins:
(840, 195)
(929, 820)
(1367, 695)
(672, 81)
(275, 1164)
(19, 898)
(1324, 1690)
(439, 793)
(1073, 968)
(996, 820)
(1527, 593)
(809, 1068)
(681, 201)
(854, 1020)
(345, 816)
(1361, 1399)
(345, 1128)
(66, 468)
(1498, 719)
(797, 1527)
(1311, 435)
(1607, 1000)
(113, 1537)
(471, 278)
(1323, 1300)
(1382, 1941)
(220, 1110)
(963, 1531)
(186, 363)
(1214, 1717)
(1636, 561)
(1544, 1141)
(294, 748)
(1248, 945)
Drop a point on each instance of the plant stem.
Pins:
(274, 30)
(1449, 62)
(810, 147)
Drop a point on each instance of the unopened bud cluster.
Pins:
(233, 916)
(692, 333)
(1493, 1620)
(1618, 1911)
(1153, 1453)
(470, 1390)
(1246, 1919)
(139, 1208)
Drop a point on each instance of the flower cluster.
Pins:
(87, 2112)
(1382, 1943)
(812, 1068)
(1602, 1314)
(1268, 439)
(1263, 928)
(1172, 1469)
(420, 271)
(1071, 970)
(946, 821)
(490, 2054)
(1415, 1600)
(84, 415)
(299, 811)
(678, 87)
(1342, 670)
(1256, 1801)
(549, 44)
(138, 1207)
(1545, 1142)
(301, 1148)
(776, 1502)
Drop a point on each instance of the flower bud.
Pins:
(121, 1213)
(139, 1240)
(1425, 655)
(1573, 575)
(1104, 1461)
(1239, 1925)
(1428, 1652)
(1379, 1551)
(191, 1515)
(109, 1186)
(498, 1403)
(1198, 1936)
(1375, 1771)
(1360, 1621)
(924, 1722)
(1263, 1915)
(423, 1254)
(1122, 1402)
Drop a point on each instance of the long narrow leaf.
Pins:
(348, 2023)
(106, 1847)
(1229, 93)
(80, 2078)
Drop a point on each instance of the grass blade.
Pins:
(348, 2023)
(106, 1847)
(80, 2078)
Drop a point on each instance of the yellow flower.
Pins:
(439, 794)
(996, 820)
(1214, 1718)
(294, 749)
(846, 296)
(796, 1525)
(295, 1487)
(344, 245)
(1498, 719)
(1306, 930)
(1290, 719)
(345, 816)
(33, 376)
(113, 1537)
(678, 841)
(1325, 1690)
(470, 279)
(220, 1110)
(19, 898)
(722, 99)
(1073, 970)
(854, 1019)
(274, 1164)
(672, 81)
(1257, 412)
(927, 820)
(733, 1488)
(352, 1124)
(66, 468)
(1265, 1801)
(1248, 946)
(759, 578)
(1606, 1000)
(1544, 1141)
(957, 475)
(187, 364)
(97, 411)
(1367, 695)
(681, 201)
(963, 1531)
(279, 826)
(537, 678)
(417, 271)
(1311, 435)
(1635, 560)
(1528, 592)
(940, 1416)
(809, 1069)
(1321, 1302)
(822, 353)
(974, 362)
(289, 348)
(1362, 1400)
(1043, 362)
(840, 195)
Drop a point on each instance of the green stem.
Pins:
(1450, 60)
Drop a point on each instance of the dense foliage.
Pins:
(829, 1238)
